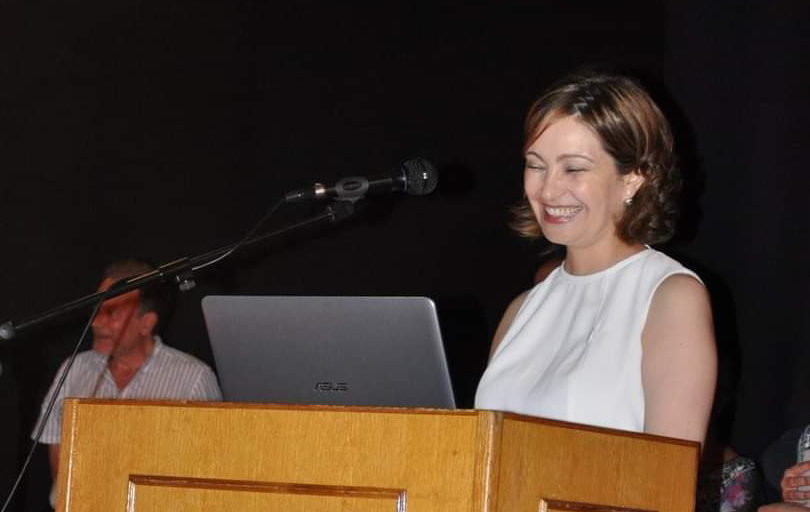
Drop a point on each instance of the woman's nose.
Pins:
(551, 186)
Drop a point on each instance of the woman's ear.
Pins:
(632, 182)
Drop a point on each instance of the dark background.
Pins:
(164, 129)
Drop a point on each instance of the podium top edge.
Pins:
(496, 416)
(278, 407)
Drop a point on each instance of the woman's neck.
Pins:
(589, 260)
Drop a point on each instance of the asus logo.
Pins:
(331, 386)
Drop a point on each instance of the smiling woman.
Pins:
(619, 335)
(622, 119)
(574, 189)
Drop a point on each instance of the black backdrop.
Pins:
(163, 129)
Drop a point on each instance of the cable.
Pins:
(48, 410)
(243, 240)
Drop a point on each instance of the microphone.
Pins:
(416, 177)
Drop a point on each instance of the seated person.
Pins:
(128, 359)
(778, 455)
(727, 481)
(795, 486)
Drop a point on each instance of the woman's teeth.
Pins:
(562, 211)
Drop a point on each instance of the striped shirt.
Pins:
(168, 374)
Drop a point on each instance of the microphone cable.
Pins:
(244, 239)
(49, 408)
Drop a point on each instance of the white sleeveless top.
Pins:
(573, 351)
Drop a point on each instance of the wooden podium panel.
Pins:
(580, 468)
(271, 454)
(190, 456)
(150, 493)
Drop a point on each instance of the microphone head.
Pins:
(421, 177)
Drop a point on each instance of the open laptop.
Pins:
(362, 351)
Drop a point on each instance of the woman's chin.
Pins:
(556, 234)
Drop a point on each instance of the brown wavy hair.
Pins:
(633, 131)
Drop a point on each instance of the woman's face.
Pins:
(573, 186)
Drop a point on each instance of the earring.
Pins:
(628, 201)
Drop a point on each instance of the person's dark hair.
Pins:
(632, 130)
(158, 299)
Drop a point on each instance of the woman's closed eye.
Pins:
(535, 166)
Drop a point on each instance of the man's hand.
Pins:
(792, 479)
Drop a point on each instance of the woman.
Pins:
(619, 335)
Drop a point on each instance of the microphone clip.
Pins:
(351, 189)
(340, 209)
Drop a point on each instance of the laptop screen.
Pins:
(361, 351)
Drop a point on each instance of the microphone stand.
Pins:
(181, 271)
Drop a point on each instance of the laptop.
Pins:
(359, 351)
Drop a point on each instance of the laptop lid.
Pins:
(362, 351)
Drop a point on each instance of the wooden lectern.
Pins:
(188, 456)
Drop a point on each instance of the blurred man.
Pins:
(128, 359)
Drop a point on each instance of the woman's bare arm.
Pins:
(679, 362)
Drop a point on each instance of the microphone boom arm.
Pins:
(180, 270)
